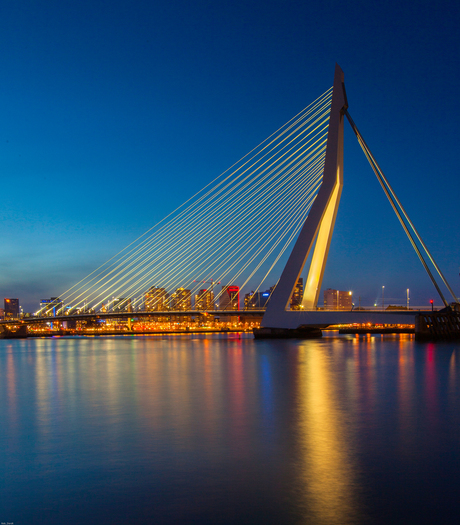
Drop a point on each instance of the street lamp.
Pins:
(383, 298)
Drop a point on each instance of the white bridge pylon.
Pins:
(317, 231)
(318, 226)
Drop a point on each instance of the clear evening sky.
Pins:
(115, 112)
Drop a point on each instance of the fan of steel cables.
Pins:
(233, 231)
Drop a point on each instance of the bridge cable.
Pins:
(297, 118)
(139, 256)
(394, 201)
(231, 211)
(283, 173)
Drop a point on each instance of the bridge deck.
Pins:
(323, 319)
(288, 319)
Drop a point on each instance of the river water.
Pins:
(211, 429)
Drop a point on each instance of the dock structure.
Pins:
(314, 240)
(437, 325)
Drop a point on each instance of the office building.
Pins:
(204, 300)
(229, 298)
(257, 300)
(297, 295)
(337, 300)
(181, 299)
(156, 299)
(51, 307)
(11, 308)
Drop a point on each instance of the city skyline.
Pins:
(157, 299)
(102, 139)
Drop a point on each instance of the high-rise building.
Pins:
(204, 300)
(51, 307)
(230, 298)
(256, 300)
(297, 295)
(156, 299)
(11, 308)
(337, 300)
(181, 299)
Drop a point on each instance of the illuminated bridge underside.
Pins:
(321, 319)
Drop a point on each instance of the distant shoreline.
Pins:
(84, 333)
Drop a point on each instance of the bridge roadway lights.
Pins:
(129, 317)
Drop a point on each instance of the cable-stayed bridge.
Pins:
(234, 232)
(262, 218)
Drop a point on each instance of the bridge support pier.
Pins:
(437, 325)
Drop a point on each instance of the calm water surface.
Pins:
(343, 430)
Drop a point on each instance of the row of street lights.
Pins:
(407, 299)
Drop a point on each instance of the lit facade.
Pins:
(11, 308)
(204, 300)
(181, 299)
(156, 299)
(230, 298)
(51, 307)
(297, 295)
(256, 300)
(337, 300)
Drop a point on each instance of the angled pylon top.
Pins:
(319, 224)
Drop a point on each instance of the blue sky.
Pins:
(113, 113)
